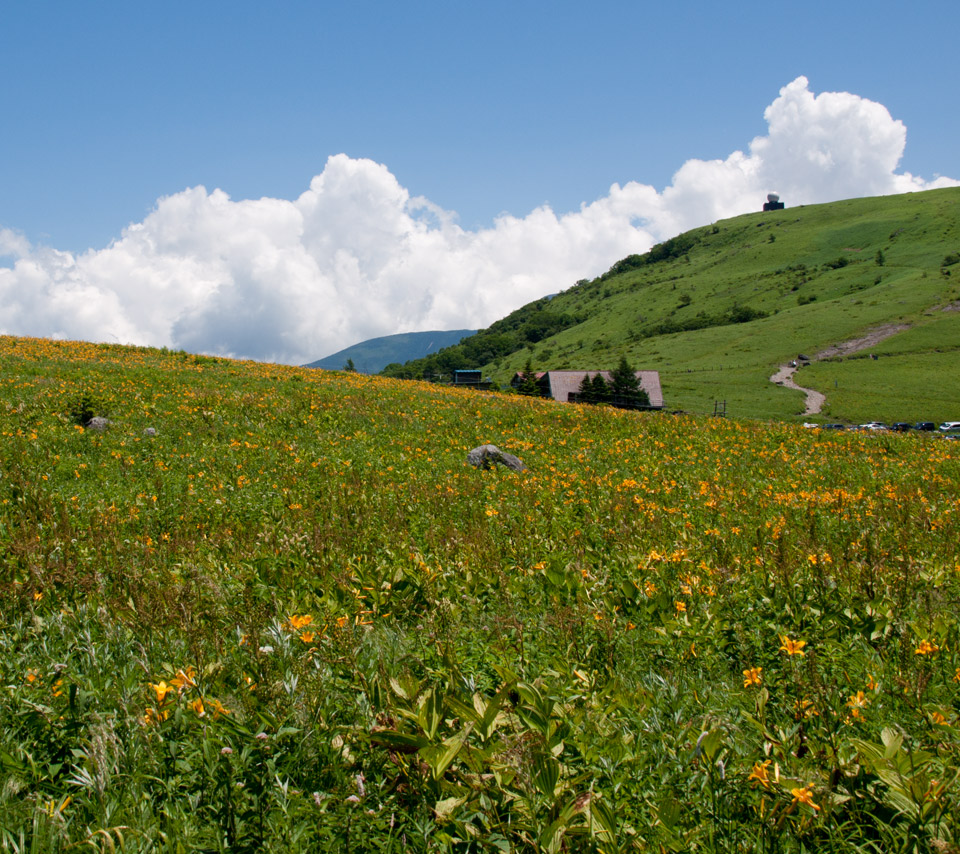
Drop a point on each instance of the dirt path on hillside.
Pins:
(815, 399)
(874, 336)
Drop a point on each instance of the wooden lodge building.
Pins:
(565, 385)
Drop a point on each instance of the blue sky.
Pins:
(483, 109)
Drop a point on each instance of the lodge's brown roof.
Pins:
(562, 384)
(565, 383)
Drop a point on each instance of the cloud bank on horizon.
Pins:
(356, 256)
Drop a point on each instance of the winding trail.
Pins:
(815, 399)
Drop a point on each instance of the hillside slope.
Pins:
(718, 309)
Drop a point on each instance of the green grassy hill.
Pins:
(717, 309)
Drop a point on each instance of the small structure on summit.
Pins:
(773, 202)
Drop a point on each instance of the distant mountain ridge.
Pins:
(373, 355)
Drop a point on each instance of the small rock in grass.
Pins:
(98, 423)
(488, 455)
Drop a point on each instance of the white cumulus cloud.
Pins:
(356, 256)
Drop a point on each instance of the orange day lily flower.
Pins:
(185, 679)
(217, 708)
(759, 773)
(804, 796)
(792, 647)
(857, 703)
(162, 689)
(152, 716)
(298, 622)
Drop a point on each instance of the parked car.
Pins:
(874, 425)
(901, 427)
(927, 426)
(948, 426)
(834, 426)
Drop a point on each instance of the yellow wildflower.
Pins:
(217, 708)
(298, 622)
(752, 676)
(152, 716)
(792, 647)
(926, 647)
(197, 706)
(162, 689)
(857, 703)
(804, 796)
(185, 679)
(759, 773)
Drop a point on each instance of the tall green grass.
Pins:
(295, 619)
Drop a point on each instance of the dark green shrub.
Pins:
(84, 408)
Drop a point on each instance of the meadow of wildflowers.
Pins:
(295, 620)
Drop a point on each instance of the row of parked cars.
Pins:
(949, 429)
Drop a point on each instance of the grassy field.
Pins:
(295, 620)
(814, 276)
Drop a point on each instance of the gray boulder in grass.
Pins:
(98, 423)
(489, 455)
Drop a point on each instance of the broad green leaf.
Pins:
(401, 741)
(444, 809)
(892, 740)
(440, 757)
(545, 773)
(431, 712)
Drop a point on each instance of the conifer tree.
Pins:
(528, 385)
(625, 388)
(600, 389)
(585, 392)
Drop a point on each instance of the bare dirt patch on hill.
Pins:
(815, 399)
(872, 338)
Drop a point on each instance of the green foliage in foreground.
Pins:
(295, 620)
